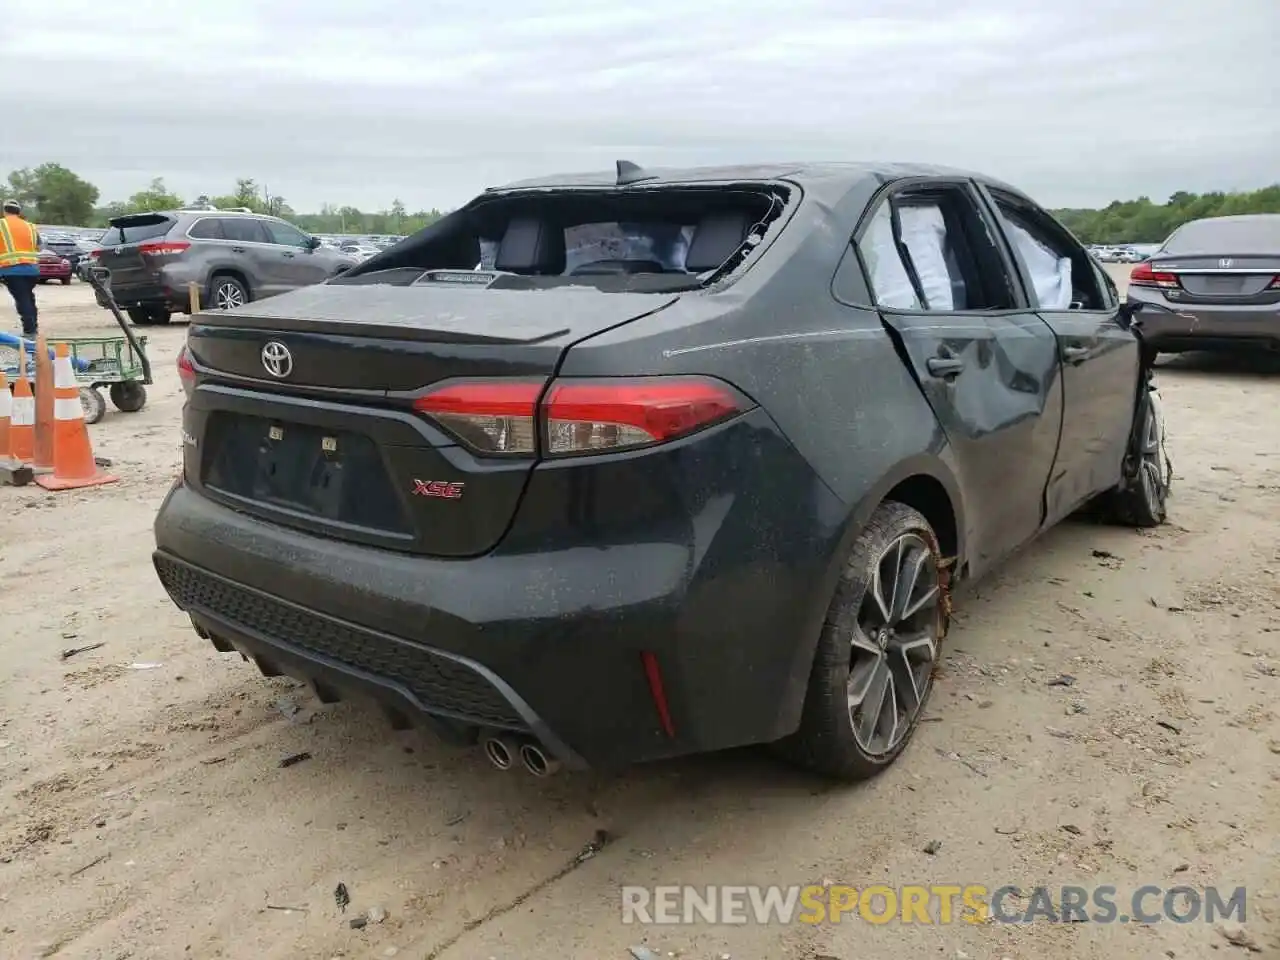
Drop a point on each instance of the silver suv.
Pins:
(232, 258)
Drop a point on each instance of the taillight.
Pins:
(1143, 276)
(95, 254)
(578, 416)
(186, 371)
(163, 248)
(586, 416)
(1275, 283)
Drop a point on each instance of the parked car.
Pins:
(65, 247)
(676, 468)
(1217, 281)
(53, 266)
(233, 258)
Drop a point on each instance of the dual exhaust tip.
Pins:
(504, 752)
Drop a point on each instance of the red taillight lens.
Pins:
(579, 416)
(95, 254)
(1275, 283)
(163, 249)
(495, 416)
(600, 415)
(1144, 276)
(186, 371)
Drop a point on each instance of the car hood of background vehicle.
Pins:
(443, 315)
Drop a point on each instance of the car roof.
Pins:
(823, 178)
(1238, 218)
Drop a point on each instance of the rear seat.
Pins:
(715, 239)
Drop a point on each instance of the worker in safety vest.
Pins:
(20, 263)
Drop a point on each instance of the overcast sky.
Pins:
(1077, 101)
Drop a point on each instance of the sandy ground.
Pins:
(143, 811)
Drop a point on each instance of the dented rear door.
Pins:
(992, 379)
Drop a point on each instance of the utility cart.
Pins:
(119, 364)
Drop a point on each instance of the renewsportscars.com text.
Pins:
(929, 904)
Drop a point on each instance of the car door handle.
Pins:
(944, 366)
(237, 249)
(289, 254)
(1075, 354)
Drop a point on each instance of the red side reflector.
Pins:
(653, 673)
(186, 372)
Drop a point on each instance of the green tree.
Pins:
(155, 197)
(52, 194)
(1141, 221)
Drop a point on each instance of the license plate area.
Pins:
(331, 475)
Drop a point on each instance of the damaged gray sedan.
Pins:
(644, 463)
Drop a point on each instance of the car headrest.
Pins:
(531, 246)
(716, 237)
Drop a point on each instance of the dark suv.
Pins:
(233, 258)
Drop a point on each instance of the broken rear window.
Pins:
(650, 238)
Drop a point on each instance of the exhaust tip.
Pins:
(500, 752)
(536, 761)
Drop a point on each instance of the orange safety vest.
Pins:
(18, 244)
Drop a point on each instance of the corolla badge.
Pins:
(276, 359)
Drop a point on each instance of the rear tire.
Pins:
(227, 292)
(93, 405)
(1143, 501)
(873, 668)
(128, 396)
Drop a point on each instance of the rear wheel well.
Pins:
(233, 274)
(927, 495)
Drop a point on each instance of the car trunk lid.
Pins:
(319, 431)
(1220, 279)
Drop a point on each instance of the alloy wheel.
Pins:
(227, 296)
(894, 645)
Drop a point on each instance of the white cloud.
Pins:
(337, 102)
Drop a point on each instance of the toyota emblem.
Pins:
(277, 359)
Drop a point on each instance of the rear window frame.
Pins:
(1271, 246)
(121, 224)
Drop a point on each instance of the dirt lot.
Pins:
(144, 813)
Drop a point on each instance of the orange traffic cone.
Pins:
(22, 422)
(6, 410)
(73, 463)
(42, 454)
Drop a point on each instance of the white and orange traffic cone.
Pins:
(6, 412)
(73, 463)
(22, 418)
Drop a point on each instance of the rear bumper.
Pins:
(1205, 327)
(167, 287)
(547, 642)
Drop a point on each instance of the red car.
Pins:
(54, 267)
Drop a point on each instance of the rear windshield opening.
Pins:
(1253, 234)
(146, 226)
(652, 238)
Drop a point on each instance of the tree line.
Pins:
(52, 194)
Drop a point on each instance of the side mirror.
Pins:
(313, 243)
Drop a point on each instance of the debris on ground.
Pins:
(932, 847)
(341, 897)
(1238, 936)
(376, 914)
(72, 651)
(293, 758)
(1062, 680)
